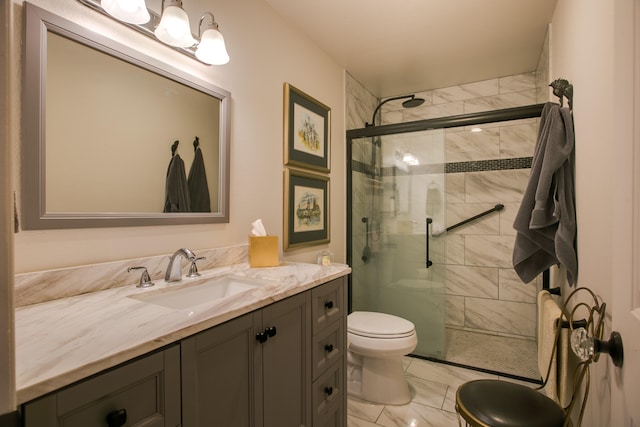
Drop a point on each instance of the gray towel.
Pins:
(176, 192)
(546, 221)
(198, 187)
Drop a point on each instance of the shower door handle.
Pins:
(428, 262)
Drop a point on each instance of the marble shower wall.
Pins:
(485, 168)
(483, 293)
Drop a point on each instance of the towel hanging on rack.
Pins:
(545, 223)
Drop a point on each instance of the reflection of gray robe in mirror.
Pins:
(177, 192)
(198, 187)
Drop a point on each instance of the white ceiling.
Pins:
(395, 47)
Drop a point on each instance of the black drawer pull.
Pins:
(328, 348)
(261, 337)
(328, 305)
(117, 418)
(271, 331)
(328, 391)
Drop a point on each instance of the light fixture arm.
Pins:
(373, 118)
(213, 23)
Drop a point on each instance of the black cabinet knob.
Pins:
(271, 331)
(328, 348)
(261, 337)
(117, 418)
(328, 391)
(328, 304)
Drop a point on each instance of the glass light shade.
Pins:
(212, 49)
(131, 11)
(174, 29)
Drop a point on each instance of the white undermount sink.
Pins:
(189, 294)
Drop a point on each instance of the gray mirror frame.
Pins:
(34, 215)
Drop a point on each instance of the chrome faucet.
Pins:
(174, 269)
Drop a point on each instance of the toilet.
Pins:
(376, 344)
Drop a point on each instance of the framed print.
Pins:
(307, 126)
(306, 209)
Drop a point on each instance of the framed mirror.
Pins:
(100, 125)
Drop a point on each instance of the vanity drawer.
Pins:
(328, 395)
(328, 304)
(145, 392)
(327, 347)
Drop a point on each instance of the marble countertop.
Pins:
(65, 340)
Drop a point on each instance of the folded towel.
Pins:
(545, 223)
(548, 315)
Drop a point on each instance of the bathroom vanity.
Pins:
(272, 356)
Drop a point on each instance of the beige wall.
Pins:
(584, 41)
(265, 52)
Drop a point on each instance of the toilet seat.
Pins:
(379, 325)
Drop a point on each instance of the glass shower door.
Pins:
(398, 210)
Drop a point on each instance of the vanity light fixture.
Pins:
(171, 27)
(131, 11)
(174, 28)
(211, 48)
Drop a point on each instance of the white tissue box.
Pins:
(263, 251)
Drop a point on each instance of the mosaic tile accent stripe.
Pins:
(489, 165)
(455, 167)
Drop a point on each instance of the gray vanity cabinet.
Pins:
(283, 364)
(252, 371)
(279, 366)
(329, 348)
(217, 380)
(144, 392)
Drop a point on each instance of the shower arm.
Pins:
(373, 118)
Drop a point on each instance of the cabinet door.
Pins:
(284, 360)
(217, 376)
(147, 390)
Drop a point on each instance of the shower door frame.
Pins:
(516, 113)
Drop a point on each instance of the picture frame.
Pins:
(306, 209)
(307, 129)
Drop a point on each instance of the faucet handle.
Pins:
(193, 269)
(145, 280)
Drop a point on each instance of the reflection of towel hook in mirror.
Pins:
(196, 143)
(174, 147)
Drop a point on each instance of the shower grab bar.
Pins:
(428, 262)
(496, 208)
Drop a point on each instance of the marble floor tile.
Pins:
(425, 392)
(362, 410)
(433, 388)
(357, 422)
(416, 415)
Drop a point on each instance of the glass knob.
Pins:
(582, 344)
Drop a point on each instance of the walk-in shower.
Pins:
(408, 183)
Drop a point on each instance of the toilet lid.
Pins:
(378, 325)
